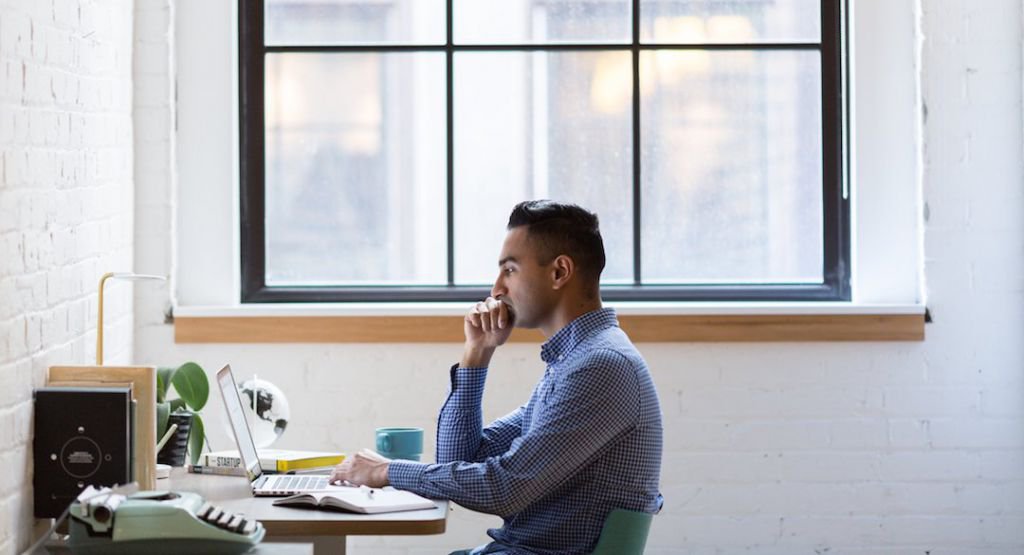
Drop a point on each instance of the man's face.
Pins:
(523, 283)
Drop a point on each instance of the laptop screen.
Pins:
(236, 416)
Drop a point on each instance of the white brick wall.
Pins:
(66, 196)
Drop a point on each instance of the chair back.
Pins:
(624, 533)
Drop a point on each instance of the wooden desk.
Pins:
(326, 530)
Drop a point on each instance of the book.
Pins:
(318, 470)
(275, 460)
(359, 500)
(218, 470)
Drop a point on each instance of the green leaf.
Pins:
(163, 410)
(195, 438)
(191, 384)
(176, 405)
(163, 378)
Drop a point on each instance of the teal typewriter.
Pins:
(157, 523)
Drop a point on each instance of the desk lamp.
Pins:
(99, 324)
(142, 380)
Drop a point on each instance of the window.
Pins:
(385, 141)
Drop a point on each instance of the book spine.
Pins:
(223, 461)
(217, 470)
(316, 462)
(268, 464)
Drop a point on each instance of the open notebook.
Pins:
(360, 500)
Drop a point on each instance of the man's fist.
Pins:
(488, 326)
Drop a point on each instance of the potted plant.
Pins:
(193, 389)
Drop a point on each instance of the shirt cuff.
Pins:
(467, 383)
(406, 474)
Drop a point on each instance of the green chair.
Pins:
(624, 533)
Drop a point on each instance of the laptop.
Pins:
(263, 485)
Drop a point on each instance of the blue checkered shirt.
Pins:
(588, 441)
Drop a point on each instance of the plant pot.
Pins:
(175, 449)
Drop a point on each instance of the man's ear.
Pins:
(563, 269)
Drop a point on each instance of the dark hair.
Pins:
(559, 228)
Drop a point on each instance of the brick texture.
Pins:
(66, 198)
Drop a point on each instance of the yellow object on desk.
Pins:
(276, 460)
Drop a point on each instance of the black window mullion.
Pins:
(836, 207)
(637, 266)
(252, 236)
(555, 47)
(450, 138)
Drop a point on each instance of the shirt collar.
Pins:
(567, 338)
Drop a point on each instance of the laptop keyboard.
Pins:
(299, 482)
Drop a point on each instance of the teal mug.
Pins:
(400, 443)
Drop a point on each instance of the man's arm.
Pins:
(487, 326)
(595, 405)
(460, 432)
(460, 436)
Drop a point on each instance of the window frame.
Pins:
(835, 172)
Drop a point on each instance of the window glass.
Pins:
(355, 168)
(731, 167)
(353, 22)
(541, 125)
(729, 21)
(548, 21)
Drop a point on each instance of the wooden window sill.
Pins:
(642, 328)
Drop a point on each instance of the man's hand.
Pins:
(487, 326)
(365, 468)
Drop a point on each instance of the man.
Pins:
(588, 440)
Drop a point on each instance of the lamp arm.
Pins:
(99, 323)
(163, 441)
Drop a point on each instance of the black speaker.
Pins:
(82, 438)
